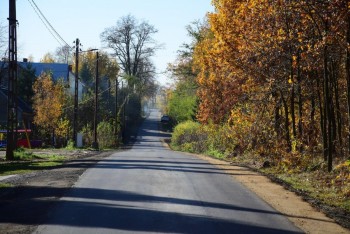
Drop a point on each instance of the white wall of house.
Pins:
(71, 82)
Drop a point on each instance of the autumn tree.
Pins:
(48, 58)
(48, 102)
(285, 63)
(219, 73)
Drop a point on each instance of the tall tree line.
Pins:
(285, 64)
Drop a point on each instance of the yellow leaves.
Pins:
(281, 34)
(47, 101)
(62, 128)
(300, 37)
(295, 61)
(48, 58)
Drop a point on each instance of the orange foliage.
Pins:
(47, 102)
(278, 58)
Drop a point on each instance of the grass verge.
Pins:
(26, 162)
(317, 185)
(5, 185)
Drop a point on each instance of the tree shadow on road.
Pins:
(98, 208)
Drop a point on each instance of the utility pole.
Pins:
(95, 143)
(75, 117)
(117, 125)
(124, 119)
(12, 83)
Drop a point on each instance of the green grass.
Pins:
(215, 153)
(5, 185)
(21, 154)
(26, 162)
(70, 145)
(26, 167)
(316, 185)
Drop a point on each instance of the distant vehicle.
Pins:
(165, 119)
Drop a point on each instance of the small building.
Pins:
(58, 71)
(25, 112)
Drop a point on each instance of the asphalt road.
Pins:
(150, 189)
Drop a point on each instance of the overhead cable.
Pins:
(48, 25)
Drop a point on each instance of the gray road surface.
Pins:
(150, 189)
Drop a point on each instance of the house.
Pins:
(25, 112)
(58, 71)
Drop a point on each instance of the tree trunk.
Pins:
(278, 117)
(292, 101)
(286, 119)
(277, 114)
(53, 140)
(300, 102)
(338, 122)
(322, 117)
(311, 135)
(348, 77)
(327, 108)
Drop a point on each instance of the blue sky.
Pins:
(86, 19)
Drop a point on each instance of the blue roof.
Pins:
(58, 70)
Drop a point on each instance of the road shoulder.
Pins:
(298, 211)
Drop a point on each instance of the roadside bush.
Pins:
(88, 134)
(188, 136)
(105, 135)
(70, 145)
(219, 140)
(212, 139)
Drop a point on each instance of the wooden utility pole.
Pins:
(117, 119)
(95, 143)
(12, 83)
(75, 117)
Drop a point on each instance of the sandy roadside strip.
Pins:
(298, 211)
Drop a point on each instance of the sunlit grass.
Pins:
(5, 185)
(317, 185)
(26, 162)
(26, 167)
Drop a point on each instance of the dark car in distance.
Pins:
(165, 119)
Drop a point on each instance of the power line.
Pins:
(42, 20)
(87, 100)
(48, 25)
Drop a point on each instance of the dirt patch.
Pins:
(300, 212)
(25, 205)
